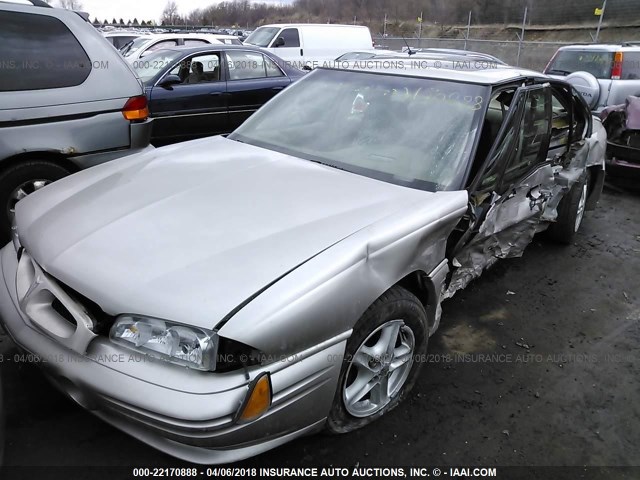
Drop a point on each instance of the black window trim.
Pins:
(521, 87)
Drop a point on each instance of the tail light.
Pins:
(136, 108)
(616, 70)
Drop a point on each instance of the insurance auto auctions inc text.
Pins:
(376, 472)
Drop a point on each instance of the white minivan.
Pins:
(311, 45)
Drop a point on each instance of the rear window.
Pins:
(597, 63)
(39, 52)
(120, 42)
(631, 66)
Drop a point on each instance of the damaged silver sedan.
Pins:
(220, 297)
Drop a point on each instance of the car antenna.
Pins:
(409, 51)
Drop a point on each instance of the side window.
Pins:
(561, 113)
(39, 52)
(581, 116)
(631, 66)
(246, 65)
(497, 112)
(491, 177)
(199, 69)
(291, 37)
(273, 70)
(532, 136)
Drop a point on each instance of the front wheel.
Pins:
(380, 365)
(20, 180)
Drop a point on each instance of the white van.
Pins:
(311, 45)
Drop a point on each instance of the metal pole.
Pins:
(604, 6)
(468, 28)
(521, 37)
(420, 31)
(384, 28)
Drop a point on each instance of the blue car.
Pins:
(212, 90)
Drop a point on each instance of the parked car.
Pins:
(366, 54)
(604, 74)
(456, 60)
(310, 45)
(67, 101)
(143, 46)
(204, 91)
(119, 38)
(287, 278)
(228, 39)
(471, 55)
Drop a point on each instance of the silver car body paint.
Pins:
(353, 236)
(174, 213)
(278, 253)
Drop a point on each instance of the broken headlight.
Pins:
(180, 344)
(233, 355)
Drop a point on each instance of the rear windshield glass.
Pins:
(133, 46)
(597, 63)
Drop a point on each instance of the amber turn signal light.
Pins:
(136, 108)
(258, 399)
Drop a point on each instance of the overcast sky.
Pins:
(144, 9)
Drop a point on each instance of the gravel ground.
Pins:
(535, 363)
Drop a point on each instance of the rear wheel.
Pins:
(380, 368)
(571, 212)
(20, 180)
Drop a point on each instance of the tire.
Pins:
(23, 178)
(397, 310)
(571, 212)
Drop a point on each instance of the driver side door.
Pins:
(510, 193)
(196, 107)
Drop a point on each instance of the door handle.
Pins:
(215, 94)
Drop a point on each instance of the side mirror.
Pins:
(170, 80)
(279, 42)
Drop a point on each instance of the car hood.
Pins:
(191, 231)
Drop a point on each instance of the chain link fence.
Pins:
(524, 33)
(533, 55)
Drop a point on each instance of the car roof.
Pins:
(161, 36)
(489, 76)
(213, 46)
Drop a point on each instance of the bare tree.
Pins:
(170, 13)
(70, 4)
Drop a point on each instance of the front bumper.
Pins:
(185, 413)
